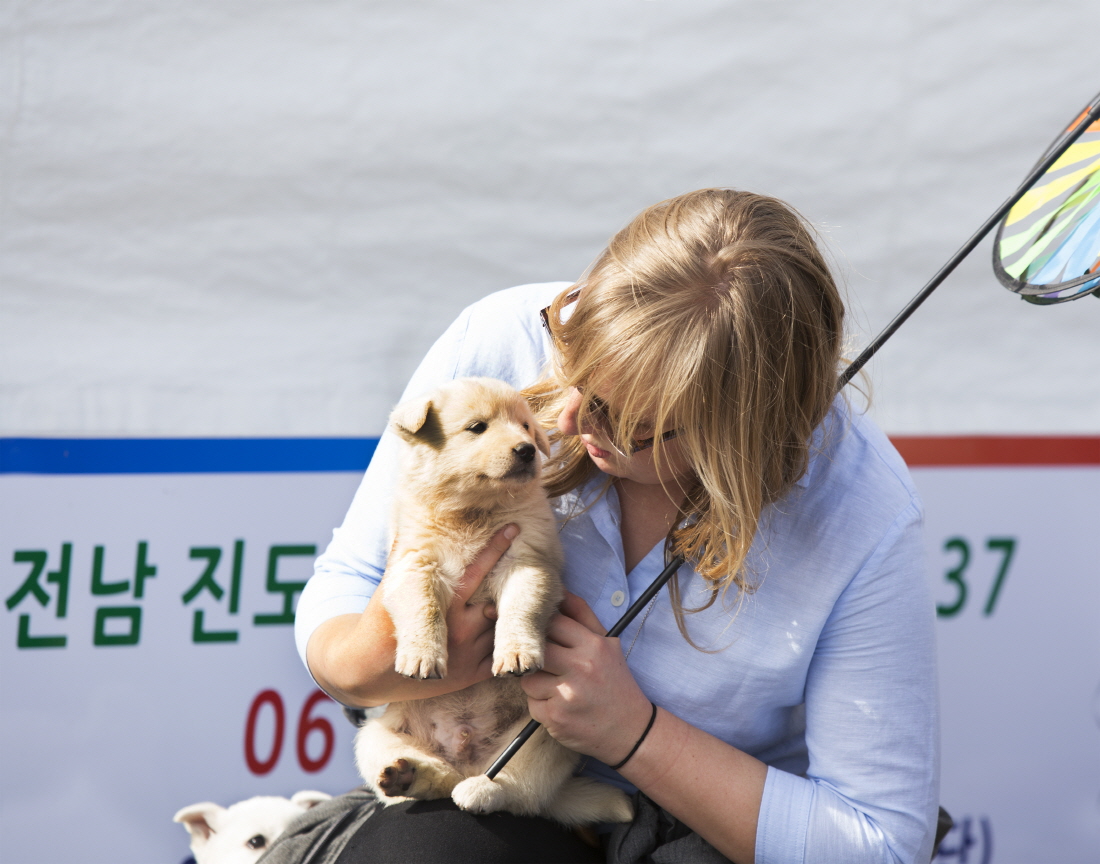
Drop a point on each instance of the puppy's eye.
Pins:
(257, 842)
(478, 427)
(527, 426)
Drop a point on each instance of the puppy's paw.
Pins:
(516, 659)
(395, 780)
(479, 794)
(415, 665)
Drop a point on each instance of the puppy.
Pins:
(242, 833)
(471, 465)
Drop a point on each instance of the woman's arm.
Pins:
(352, 656)
(870, 706)
(589, 701)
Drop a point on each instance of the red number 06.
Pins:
(306, 725)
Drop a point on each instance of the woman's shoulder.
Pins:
(855, 511)
(518, 301)
(855, 468)
(498, 336)
(501, 335)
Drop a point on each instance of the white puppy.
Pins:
(470, 467)
(242, 833)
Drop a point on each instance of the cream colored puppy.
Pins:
(470, 466)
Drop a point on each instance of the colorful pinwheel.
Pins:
(1048, 246)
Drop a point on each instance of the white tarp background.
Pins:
(251, 217)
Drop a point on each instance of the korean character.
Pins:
(965, 844)
(287, 588)
(103, 635)
(32, 586)
(206, 582)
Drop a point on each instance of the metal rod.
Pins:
(619, 626)
(1091, 115)
(647, 595)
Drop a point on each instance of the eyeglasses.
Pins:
(598, 416)
(544, 314)
(598, 413)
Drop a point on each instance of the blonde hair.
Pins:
(714, 314)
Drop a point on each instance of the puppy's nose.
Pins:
(524, 452)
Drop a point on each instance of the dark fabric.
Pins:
(341, 831)
(944, 822)
(438, 832)
(318, 836)
(657, 837)
(356, 829)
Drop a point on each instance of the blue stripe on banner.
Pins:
(182, 455)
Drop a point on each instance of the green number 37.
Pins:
(958, 545)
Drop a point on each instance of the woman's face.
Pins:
(641, 467)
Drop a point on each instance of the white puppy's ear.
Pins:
(409, 417)
(308, 799)
(197, 820)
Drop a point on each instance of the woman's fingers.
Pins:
(540, 686)
(557, 662)
(577, 609)
(485, 561)
(568, 631)
(469, 645)
(585, 694)
(464, 621)
(470, 628)
(468, 623)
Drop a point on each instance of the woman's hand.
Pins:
(352, 656)
(585, 695)
(589, 701)
(470, 627)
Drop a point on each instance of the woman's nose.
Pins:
(567, 419)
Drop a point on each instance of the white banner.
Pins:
(1014, 554)
(148, 656)
(148, 660)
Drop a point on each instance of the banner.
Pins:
(148, 660)
(1014, 555)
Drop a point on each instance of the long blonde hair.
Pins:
(714, 314)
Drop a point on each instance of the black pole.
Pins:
(1092, 114)
(619, 626)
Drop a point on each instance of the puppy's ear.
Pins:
(542, 441)
(408, 418)
(197, 818)
(309, 799)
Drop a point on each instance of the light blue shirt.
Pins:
(825, 672)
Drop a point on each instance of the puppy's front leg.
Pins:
(416, 596)
(528, 597)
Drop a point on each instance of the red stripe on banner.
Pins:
(930, 450)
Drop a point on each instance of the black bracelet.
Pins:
(634, 749)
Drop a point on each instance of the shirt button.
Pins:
(618, 598)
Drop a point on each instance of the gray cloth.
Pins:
(319, 835)
(657, 837)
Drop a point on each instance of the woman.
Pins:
(692, 377)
